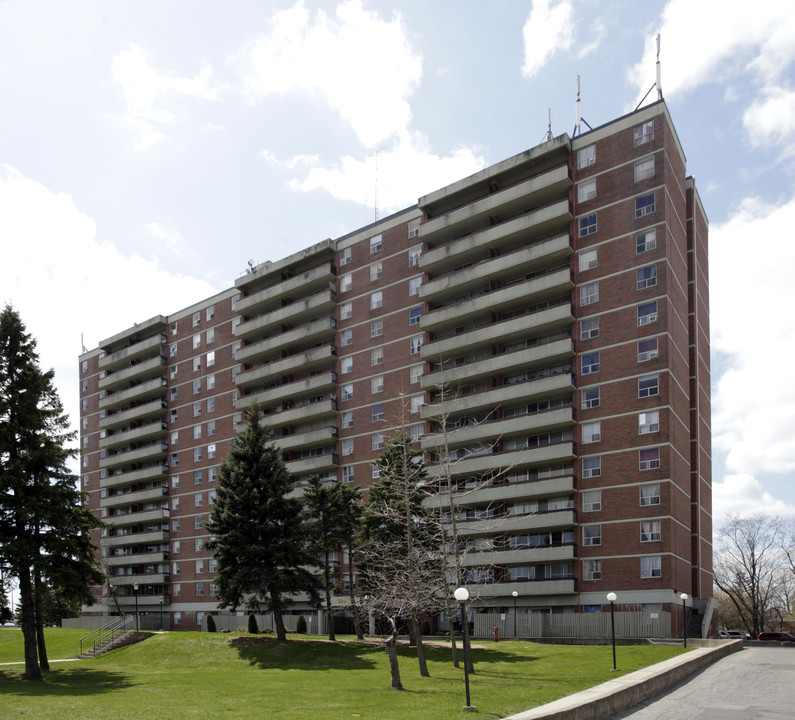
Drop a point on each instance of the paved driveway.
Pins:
(754, 684)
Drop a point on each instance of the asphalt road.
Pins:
(753, 684)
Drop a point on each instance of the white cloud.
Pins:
(742, 494)
(363, 67)
(770, 119)
(171, 239)
(398, 171)
(64, 281)
(547, 30)
(149, 93)
(751, 256)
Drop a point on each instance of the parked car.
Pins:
(733, 635)
(776, 637)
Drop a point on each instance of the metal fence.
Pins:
(573, 625)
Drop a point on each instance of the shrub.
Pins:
(211, 624)
(253, 628)
(300, 625)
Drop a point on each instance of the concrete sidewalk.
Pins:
(616, 695)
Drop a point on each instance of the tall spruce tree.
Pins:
(257, 536)
(44, 530)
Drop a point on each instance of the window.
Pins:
(347, 391)
(197, 319)
(209, 313)
(377, 356)
(590, 363)
(211, 405)
(649, 458)
(643, 133)
(174, 415)
(197, 409)
(647, 349)
(648, 422)
(176, 567)
(588, 260)
(590, 398)
(376, 473)
(414, 228)
(649, 494)
(644, 205)
(210, 428)
(211, 451)
(197, 454)
(415, 345)
(173, 372)
(347, 446)
(198, 522)
(591, 432)
(376, 244)
(197, 364)
(211, 358)
(377, 384)
(209, 338)
(589, 293)
(347, 419)
(414, 255)
(589, 328)
(376, 328)
(416, 430)
(175, 460)
(648, 385)
(175, 547)
(211, 474)
(591, 535)
(591, 569)
(197, 432)
(647, 313)
(378, 412)
(376, 300)
(415, 373)
(175, 526)
(588, 225)
(346, 337)
(650, 530)
(198, 477)
(346, 311)
(644, 169)
(172, 350)
(345, 256)
(417, 401)
(414, 285)
(346, 282)
(377, 440)
(415, 314)
(198, 500)
(197, 386)
(175, 437)
(586, 157)
(651, 567)
(591, 500)
(346, 365)
(376, 271)
(347, 473)
(175, 503)
(646, 277)
(586, 190)
(592, 467)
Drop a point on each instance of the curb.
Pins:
(613, 696)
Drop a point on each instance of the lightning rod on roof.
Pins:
(549, 124)
(579, 119)
(659, 82)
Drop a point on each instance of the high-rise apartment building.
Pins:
(540, 328)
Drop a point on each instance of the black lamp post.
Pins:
(135, 592)
(515, 595)
(462, 595)
(612, 597)
(683, 597)
(161, 613)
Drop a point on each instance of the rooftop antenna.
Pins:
(250, 267)
(82, 342)
(549, 125)
(658, 83)
(578, 119)
(376, 186)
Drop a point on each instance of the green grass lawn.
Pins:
(204, 675)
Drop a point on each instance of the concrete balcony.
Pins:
(153, 536)
(532, 192)
(455, 405)
(149, 388)
(511, 492)
(142, 579)
(313, 438)
(314, 359)
(497, 365)
(150, 367)
(544, 321)
(128, 601)
(156, 451)
(121, 358)
(531, 588)
(134, 497)
(144, 411)
(545, 253)
(301, 338)
(553, 219)
(479, 465)
(526, 293)
(137, 559)
(129, 478)
(491, 432)
(138, 434)
(312, 465)
(559, 553)
(299, 415)
(295, 313)
(269, 274)
(514, 524)
(136, 518)
(315, 385)
(292, 288)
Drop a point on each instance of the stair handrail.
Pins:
(110, 630)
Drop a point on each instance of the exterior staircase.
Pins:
(115, 634)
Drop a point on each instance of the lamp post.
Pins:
(612, 597)
(515, 595)
(160, 615)
(462, 595)
(683, 598)
(135, 592)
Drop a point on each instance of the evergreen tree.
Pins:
(257, 536)
(44, 530)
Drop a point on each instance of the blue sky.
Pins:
(149, 149)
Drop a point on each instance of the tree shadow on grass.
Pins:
(64, 681)
(270, 654)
